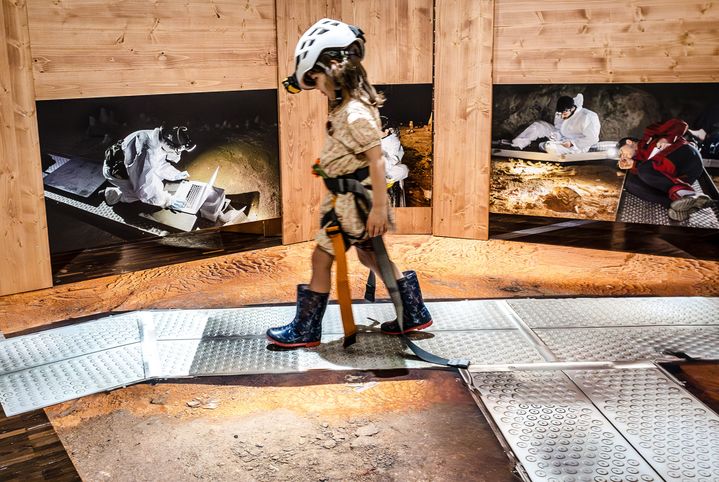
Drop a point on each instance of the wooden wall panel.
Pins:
(413, 221)
(398, 52)
(302, 120)
(583, 41)
(90, 48)
(463, 114)
(24, 250)
(399, 37)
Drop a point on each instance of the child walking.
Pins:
(328, 58)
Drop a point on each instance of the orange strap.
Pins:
(343, 286)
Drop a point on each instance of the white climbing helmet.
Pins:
(326, 34)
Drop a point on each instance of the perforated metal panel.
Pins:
(64, 380)
(447, 316)
(677, 434)
(635, 210)
(49, 346)
(195, 324)
(554, 430)
(600, 312)
(646, 343)
(373, 351)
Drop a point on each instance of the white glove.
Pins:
(185, 175)
(176, 203)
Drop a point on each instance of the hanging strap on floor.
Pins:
(387, 274)
(343, 287)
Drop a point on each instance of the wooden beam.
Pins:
(90, 48)
(24, 249)
(302, 120)
(463, 118)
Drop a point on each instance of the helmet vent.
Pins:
(309, 44)
(322, 30)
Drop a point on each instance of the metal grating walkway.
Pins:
(635, 210)
(568, 383)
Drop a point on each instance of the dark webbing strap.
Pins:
(370, 287)
(387, 274)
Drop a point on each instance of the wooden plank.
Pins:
(302, 120)
(462, 109)
(25, 253)
(90, 48)
(401, 54)
(577, 41)
(413, 221)
(62, 85)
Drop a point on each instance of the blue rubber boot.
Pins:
(416, 315)
(306, 328)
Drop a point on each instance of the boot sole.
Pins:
(293, 345)
(408, 330)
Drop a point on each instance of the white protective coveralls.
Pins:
(581, 129)
(148, 165)
(393, 153)
(395, 171)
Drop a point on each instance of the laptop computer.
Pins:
(195, 193)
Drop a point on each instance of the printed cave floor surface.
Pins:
(416, 425)
(577, 191)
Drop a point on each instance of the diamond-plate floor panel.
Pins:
(676, 434)
(624, 344)
(373, 351)
(635, 210)
(554, 430)
(600, 312)
(447, 316)
(46, 385)
(58, 344)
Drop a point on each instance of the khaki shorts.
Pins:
(349, 219)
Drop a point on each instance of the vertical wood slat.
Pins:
(413, 221)
(399, 51)
(401, 54)
(399, 37)
(24, 248)
(301, 126)
(463, 118)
